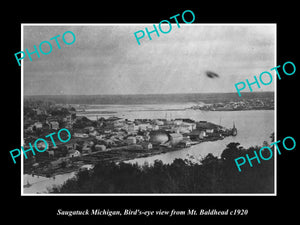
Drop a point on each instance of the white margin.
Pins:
(135, 24)
(22, 110)
(275, 117)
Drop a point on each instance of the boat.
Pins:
(233, 130)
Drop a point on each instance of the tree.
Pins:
(210, 158)
(212, 176)
(231, 151)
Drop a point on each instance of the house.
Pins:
(59, 163)
(191, 126)
(139, 138)
(100, 147)
(81, 135)
(71, 146)
(158, 122)
(29, 128)
(188, 121)
(38, 125)
(209, 131)
(147, 145)
(155, 127)
(39, 111)
(118, 123)
(86, 167)
(197, 134)
(107, 131)
(184, 144)
(73, 153)
(90, 128)
(131, 140)
(108, 142)
(51, 153)
(42, 145)
(177, 122)
(132, 128)
(54, 125)
(144, 126)
(99, 137)
(87, 147)
(93, 133)
(119, 136)
(181, 129)
(202, 134)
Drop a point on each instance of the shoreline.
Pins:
(112, 113)
(114, 155)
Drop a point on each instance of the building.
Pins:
(73, 153)
(54, 125)
(144, 126)
(155, 127)
(81, 135)
(93, 133)
(177, 122)
(50, 153)
(158, 122)
(175, 138)
(71, 146)
(99, 137)
(139, 138)
(158, 137)
(108, 142)
(41, 145)
(131, 140)
(38, 125)
(87, 147)
(182, 128)
(209, 131)
(39, 111)
(202, 134)
(147, 145)
(184, 144)
(191, 126)
(197, 134)
(131, 128)
(29, 128)
(188, 121)
(90, 128)
(59, 163)
(100, 147)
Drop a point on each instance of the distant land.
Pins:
(150, 98)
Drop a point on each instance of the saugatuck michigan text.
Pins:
(98, 212)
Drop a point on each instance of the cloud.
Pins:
(106, 59)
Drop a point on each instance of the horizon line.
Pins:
(246, 92)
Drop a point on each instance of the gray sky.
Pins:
(108, 60)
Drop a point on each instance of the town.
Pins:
(111, 139)
(243, 104)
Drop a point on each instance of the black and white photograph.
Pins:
(149, 114)
(159, 117)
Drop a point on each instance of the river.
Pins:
(254, 127)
